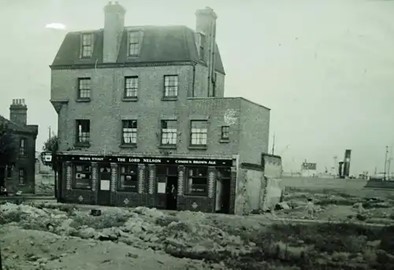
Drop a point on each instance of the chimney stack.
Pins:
(206, 25)
(18, 112)
(113, 29)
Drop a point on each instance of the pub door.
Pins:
(167, 176)
(104, 192)
(2, 176)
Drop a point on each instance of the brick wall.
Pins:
(255, 132)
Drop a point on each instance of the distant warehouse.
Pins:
(143, 120)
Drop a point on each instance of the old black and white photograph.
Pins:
(204, 134)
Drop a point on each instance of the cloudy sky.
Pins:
(325, 68)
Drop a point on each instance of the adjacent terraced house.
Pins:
(17, 163)
(143, 120)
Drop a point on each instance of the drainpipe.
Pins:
(194, 79)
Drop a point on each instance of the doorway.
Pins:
(223, 187)
(2, 176)
(167, 187)
(104, 192)
(172, 192)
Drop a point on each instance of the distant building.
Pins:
(143, 117)
(18, 174)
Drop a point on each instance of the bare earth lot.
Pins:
(340, 236)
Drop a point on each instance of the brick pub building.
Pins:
(18, 173)
(143, 120)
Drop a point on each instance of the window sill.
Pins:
(224, 140)
(82, 100)
(127, 191)
(128, 146)
(169, 98)
(169, 146)
(130, 99)
(197, 147)
(82, 145)
(196, 195)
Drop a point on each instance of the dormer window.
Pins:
(86, 45)
(134, 41)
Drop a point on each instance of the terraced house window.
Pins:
(22, 148)
(22, 176)
(168, 132)
(199, 132)
(129, 132)
(197, 181)
(83, 131)
(128, 178)
(82, 176)
(84, 88)
(171, 85)
(131, 87)
(134, 38)
(87, 45)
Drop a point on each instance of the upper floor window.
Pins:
(198, 132)
(134, 40)
(171, 85)
(87, 45)
(82, 176)
(22, 147)
(131, 87)
(225, 132)
(129, 131)
(201, 44)
(84, 88)
(168, 132)
(83, 131)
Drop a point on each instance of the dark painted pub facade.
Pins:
(206, 185)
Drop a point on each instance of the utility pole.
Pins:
(49, 128)
(273, 145)
(389, 163)
(385, 163)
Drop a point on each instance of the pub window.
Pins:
(128, 178)
(129, 131)
(131, 87)
(168, 132)
(22, 147)
(82, 176)
(84, 88)
(134, 38)
(22, 175)
(87, 45)
(197, 181)
(83, 131)
(225, 132)
(170, 85)
(198, 132)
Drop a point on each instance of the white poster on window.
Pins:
(104, 185)
(161, 187)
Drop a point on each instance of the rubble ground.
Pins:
(60, 236)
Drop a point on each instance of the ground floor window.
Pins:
(82, 176)
(197, 181)
(128, 178)
(22, 176)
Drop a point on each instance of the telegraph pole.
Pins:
(385, 163)
(273, 145)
